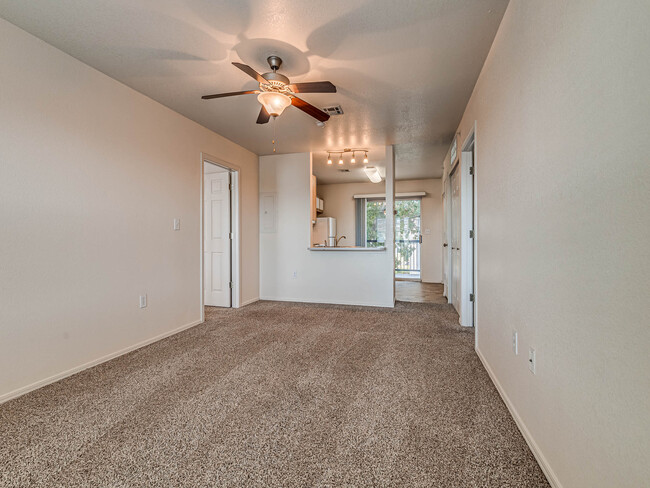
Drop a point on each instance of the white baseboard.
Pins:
(541, 459)
(59, 376)
(248, 302)
(327, 302)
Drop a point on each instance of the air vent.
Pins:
(335, 110)
(344, 170)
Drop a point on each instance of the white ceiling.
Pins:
(404, 70)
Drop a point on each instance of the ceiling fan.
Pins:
(276, 92)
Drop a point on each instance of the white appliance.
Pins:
(325, 231)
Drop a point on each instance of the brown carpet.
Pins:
(277, 394)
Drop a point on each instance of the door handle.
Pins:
(445, 245)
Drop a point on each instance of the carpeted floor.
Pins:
(277, 394)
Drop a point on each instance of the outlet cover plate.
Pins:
(532, 360)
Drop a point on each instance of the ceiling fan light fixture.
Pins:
(274, 102)
(373, 174)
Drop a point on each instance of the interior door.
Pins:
(455, 240)
(216, 240)
(445, 243)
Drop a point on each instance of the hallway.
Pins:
(416, 291)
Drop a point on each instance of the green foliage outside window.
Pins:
(407, 230)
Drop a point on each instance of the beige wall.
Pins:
(339, 203)
(92, 175)
(562, 173)
(290, 271)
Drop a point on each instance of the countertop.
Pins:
(347, 248)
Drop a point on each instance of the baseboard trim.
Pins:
(326, 302)
(59, 376)
(541, 459)
(248, 302)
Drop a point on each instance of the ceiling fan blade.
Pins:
(231, 94)
(263, 117)
(313, 87)
(250, 72)
(309, 109)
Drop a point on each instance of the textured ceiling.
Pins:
(404, 70)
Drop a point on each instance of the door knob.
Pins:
(444, 245)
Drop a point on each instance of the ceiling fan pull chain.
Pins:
(273, 124)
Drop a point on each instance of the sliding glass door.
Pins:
(407, 239)
(371, 232)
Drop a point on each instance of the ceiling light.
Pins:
(353, 160)
(329, 159)
(373, 174)
(365, 159)
(341, 160)
(274, 102)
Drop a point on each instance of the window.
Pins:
(375, 223)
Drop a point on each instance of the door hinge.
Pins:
(471, 170)
(230, 235)
(229, 186)
(230, 285)
(471, 297)
(471, 234)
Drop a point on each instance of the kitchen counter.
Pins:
(347, 248)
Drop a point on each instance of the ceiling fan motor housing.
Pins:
(276, 79)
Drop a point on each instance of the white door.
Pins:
(445, 243)
(216, 239)
(455, 240)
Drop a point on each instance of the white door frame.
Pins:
(468, 222)
(235, 206)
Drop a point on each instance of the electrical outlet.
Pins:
(531, 360)
(515, 343)
(177, 224)
(143, 301)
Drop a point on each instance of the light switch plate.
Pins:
(143, 301)
(177, 224)
(515, 343)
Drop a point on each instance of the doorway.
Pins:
(219, 234)
(408, 239)
(460, 239)
(455, 258)
(468, 232)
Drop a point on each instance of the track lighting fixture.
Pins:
(341, 152)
